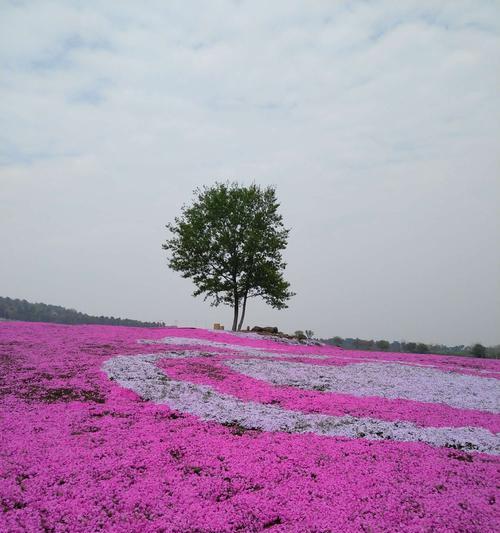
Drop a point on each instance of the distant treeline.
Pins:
(476, 350)
(14, 309)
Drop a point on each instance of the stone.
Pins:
(266, 329)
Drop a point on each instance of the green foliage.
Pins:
(229, 243)
(422, 348)
(382, 345)
(300, 335)
(309, 333)
(14, 309)
(410, 347)
(337, 341)
(478, 350)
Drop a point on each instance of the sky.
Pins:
(378, 122)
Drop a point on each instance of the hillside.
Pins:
(15, 309)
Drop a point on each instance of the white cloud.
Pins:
(378, 122)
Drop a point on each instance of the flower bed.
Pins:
(130, 429)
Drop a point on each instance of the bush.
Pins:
(478, 350)
(300, 335)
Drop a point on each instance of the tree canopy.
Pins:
(15, 309)
(478, 350)
(229, 242)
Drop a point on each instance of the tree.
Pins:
(229, 242)
(364, 344)
(478, 350)
(383, 345)
(422, 348)
(309, 333)
(410, 347)
(23, 310)
(338, 341)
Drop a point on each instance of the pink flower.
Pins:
(81, 452)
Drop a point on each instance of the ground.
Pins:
(184, 430)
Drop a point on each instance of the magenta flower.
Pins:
(127, 429)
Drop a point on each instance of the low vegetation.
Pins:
(476, 350)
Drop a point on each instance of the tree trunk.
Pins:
(235, 316)
(243, 309)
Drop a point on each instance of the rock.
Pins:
(266, 329)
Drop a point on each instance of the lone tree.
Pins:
(229, 242)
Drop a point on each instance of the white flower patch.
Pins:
(247, 350)
(274, 338)
(412, 363)
(386, 380)
(140, 374)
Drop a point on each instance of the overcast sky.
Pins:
(378, 123)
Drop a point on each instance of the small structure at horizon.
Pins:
(218, 326)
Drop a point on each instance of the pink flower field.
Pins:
(187, 430)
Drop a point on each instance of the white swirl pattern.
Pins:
(140, 374)
(385, 380)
